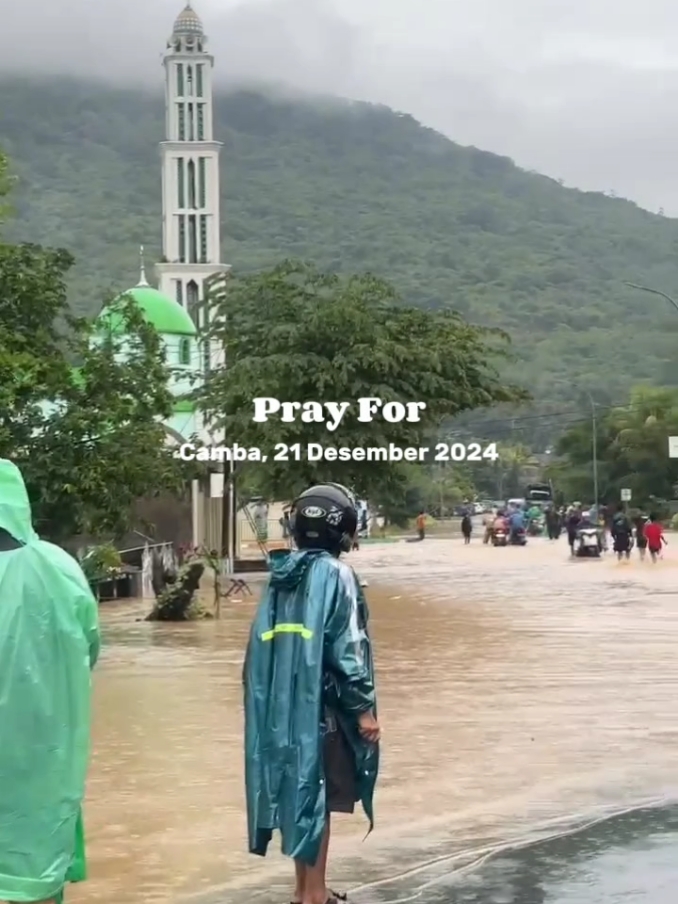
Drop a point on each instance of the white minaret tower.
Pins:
(191, 241)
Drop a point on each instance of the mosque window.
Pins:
(203, 239)
(192, 240)
(202, 181)
(199, 80)
(193, 300)
(184, 351)
(191, 185)
(180, 79)
(191, 122)
(206, 354)
(182, 240)
(182, 122)
(180, 292)
(189, 80)
(181, 194)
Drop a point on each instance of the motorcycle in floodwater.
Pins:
(499, 537)
(587, 543)
(517, 538)
(536, 527)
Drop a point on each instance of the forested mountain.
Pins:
(353, 187)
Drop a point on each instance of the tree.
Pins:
(296, 334)
(79, 410)
(632, 450)
(434, 489)
(5, 184)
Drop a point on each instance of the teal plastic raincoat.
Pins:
(309, 649)
(49, 640)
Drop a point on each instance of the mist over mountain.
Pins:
(583, 91)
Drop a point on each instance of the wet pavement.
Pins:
(517, 689)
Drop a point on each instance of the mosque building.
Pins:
(191, 243)
(191, 229)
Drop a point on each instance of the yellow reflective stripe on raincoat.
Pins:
(284, 628)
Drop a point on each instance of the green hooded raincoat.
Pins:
(49, 640)
(308, 650)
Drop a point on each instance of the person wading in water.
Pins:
(641, 539)
(622, 534)
(421, 524)
(467, 527)
(654, 534)
(311, 729)
(552, 525)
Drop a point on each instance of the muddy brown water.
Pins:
(515, 686)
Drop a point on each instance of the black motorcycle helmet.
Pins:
(325, 517)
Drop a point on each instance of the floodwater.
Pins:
(521, 695)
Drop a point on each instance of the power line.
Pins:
(562, 416)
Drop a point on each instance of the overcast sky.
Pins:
(583, 90)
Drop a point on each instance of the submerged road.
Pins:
(516, 687)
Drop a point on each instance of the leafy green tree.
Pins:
(79, 413)
(632, 450)
(434, 489)
(5, 184)
(507, 476)
(296, 334)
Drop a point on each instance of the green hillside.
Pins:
(353, 187)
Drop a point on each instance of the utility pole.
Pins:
(594, 450)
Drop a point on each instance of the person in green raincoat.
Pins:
(311, 730)
(49, 641)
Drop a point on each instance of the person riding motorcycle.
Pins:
(572, 521)
(587, 522)
(488, 525)
(500, 523)
(516, 523)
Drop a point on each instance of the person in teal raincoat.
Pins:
(311, 730)
(49, 641)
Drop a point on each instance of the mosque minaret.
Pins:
(191, 229)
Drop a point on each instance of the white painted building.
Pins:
(191, 229)
(191, 240)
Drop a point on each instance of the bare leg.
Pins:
(300, 881)
(315, 888)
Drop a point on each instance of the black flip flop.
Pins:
(334, 896)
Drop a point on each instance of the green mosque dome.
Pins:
(163, 312)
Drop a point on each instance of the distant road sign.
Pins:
(626, 495)
(673, 447)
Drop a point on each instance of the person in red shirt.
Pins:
(654, 534)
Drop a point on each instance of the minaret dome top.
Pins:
(187, 22)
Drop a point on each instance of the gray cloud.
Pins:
(583, 90)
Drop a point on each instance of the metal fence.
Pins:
(269, 531)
